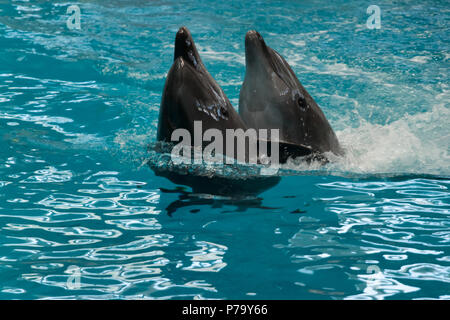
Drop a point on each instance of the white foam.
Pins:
(414, 144)
(298, 43)
(420, 59)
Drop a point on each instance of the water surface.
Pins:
(82, 217)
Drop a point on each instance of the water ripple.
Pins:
(82, 218)
(209, 258)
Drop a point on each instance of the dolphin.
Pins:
(191, 94)
(273, 97)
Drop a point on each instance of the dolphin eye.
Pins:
(302, 103)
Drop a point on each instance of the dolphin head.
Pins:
(185, 48)
(191, 94)
(272, 97)
(255, 49)
(269, 87)
(262, 60)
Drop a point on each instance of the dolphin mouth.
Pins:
(185, 48)
(253, 38)
(252, 34)
(256, 49)
(182, 33)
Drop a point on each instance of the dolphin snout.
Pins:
(255, 48)
(183, 34)
(252, 35)
(183, 30)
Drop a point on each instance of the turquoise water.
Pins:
(82, 216)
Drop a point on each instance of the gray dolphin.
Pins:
(191, 94)
(273, 97)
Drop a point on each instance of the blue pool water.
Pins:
(82, 216)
